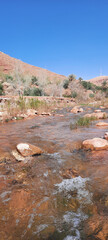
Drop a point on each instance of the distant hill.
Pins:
(99, 80)
(8, 65)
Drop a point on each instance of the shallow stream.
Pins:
(38, 199)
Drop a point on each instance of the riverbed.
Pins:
(38, 198)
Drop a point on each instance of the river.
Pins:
(38, 198)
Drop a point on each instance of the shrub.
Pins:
(87, 85)
(34, 80)
(85, 121)
(71, 77)
(21, 103)
(91, 95)
(80, 79)
(1, 89)
(66, 84)
(33, 92)
(37, 92)
(8, 77)
(74, 94)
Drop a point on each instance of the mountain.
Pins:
(9, 65)
(99, 80)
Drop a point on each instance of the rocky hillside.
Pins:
(9, 65)
(99, 80)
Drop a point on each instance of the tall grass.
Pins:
(83, 121)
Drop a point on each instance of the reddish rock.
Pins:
(76, 110)
(95, 144)
(26, 149)
(70, 173)
(97, 111)
(31, 112)
(46, 114)
(98, 115)
(103, 124)
(106, 136)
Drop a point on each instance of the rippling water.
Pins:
(36, 202)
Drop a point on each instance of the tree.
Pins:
(71, 77)
(66, 84)
(1, 89)
(34, 80)
(80, 79)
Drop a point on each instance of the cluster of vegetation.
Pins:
(8, 77)
(90, 86)
(34, 80)
(33, 92)
(1, 89)
(66, 84)
(71, 77)
(83, 121)
(74, 94)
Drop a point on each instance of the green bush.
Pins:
(71, 77)
(85, 121)
(80, 79)
(8, 77)
(91, 95)
(82, 121)
(87, 85)
(66, 84)
(33, 92)
(74, 94)
(34, 80)
(1, 89)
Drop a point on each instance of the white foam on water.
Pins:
(78, 184)
(77, 237)
(74, 218)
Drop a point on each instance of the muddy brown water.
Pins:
(36, 202)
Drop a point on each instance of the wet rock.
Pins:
(26, 149)
(95, 144)
(102, 124)
(76, 110)
(46, 114)
(106, 135)
(98, 115)
(102, 107)
(31, 112)
(18, 156)
(97, 228)
(97, 111)
(70, 173)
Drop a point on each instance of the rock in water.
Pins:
(26, 149)
(102, 124)
(98, 115)
(106, 136)
(76, 109)
(18, 156)
(95, 144)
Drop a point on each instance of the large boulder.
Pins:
(26, 149)
(95, 144)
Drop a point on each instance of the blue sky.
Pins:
(63, 36)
